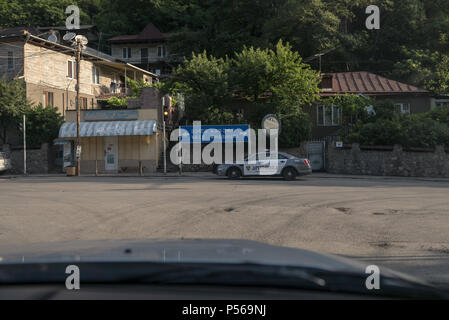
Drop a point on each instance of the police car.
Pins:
(266, 164)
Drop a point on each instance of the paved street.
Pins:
(397, 222)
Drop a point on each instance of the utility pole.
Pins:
(24, 146)
(163, 137)
(78, 115)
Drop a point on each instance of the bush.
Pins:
(381, 132)
(419, 130)
(422, 131)
(295, 127)
(116, 103)
(385, 109)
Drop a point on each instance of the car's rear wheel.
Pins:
(234, 173)
(289, 174)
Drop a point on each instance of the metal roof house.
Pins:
(407, 98)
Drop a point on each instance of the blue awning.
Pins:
(109, 128)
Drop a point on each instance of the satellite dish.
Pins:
(69, 36)
(82, 39)
(52, 38)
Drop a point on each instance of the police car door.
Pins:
(281, 161)
(270, 164)
(251, 166)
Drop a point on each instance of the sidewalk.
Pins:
(134, 175)
(325, 175)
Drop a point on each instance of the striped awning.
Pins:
(109, 128)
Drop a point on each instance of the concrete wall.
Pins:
(37, 159)
(46, 70)
(150, 99)
(397, 162)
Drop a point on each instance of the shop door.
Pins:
(110, 153)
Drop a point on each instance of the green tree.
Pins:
(43, 12)
(247, 86)
(13, 104)
(203, 80)
(42, 124)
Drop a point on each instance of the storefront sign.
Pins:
(206, 134)
(98, 115)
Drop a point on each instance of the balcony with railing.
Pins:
(118, 90)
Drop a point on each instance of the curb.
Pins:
(359, 177)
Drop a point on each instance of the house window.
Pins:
(10, 60)
(47, 98)
(161, 51)
(95, 75)
(144, 55)
(83, 103)
(328, 116)
(126, 53)
(71, 69)
(442, 103)
(404, 108)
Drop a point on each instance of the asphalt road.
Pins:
(402, 223)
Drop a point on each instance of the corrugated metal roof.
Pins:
(17, 31)
(109, 128)
(367, 83)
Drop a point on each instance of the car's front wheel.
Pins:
(289, 174)
(234, 173)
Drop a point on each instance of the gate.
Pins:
(316, 154)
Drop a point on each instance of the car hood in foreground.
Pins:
(185, 251)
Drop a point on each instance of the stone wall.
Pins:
(37, 159)
(355, 159)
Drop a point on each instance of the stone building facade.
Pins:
(49, 71)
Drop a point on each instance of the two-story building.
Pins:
(49, 71)
(111, 140)
(148, 50)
